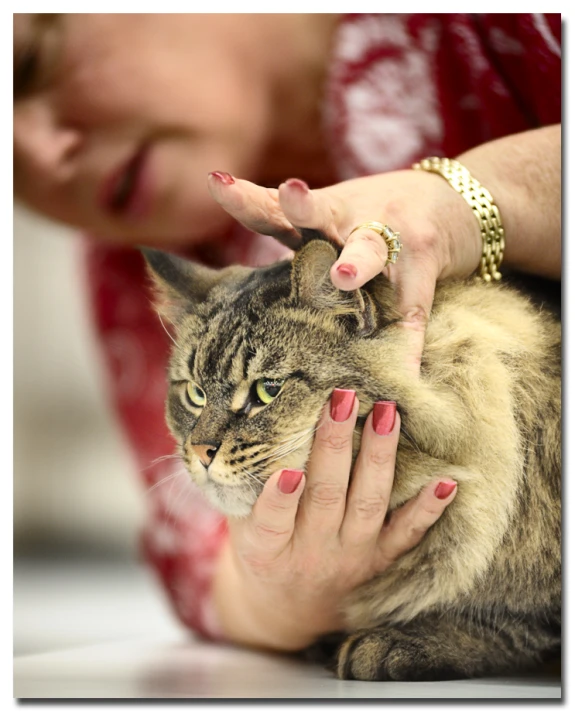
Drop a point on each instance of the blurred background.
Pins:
(78, 504)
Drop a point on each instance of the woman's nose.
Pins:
(42, 143)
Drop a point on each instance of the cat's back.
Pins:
(499, 354)
(496, 316)
(493, 344)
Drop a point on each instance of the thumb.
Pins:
(416, 286)
(270, 526)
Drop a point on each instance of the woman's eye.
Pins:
(36, 58)
(26, 70)
(195, 395)
(267, 389)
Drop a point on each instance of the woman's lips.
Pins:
(127, 191)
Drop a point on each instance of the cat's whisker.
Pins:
(174, 501)
(286, 450)
(162, 458)
(170, 500)
(249, 482)
(182, 477)
(250, 475)
(252, 487)
(180, 500)
(286, 442)
(167, 332)
(256, 488)
(296, 445)
(166, 479)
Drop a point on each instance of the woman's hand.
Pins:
(310, 541)
(438, 230)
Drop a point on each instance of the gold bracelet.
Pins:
(485, 210)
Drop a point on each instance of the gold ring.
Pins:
(391, 239)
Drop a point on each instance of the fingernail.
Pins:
(225, 178)
(383, 417)
(289, 480)
(297, 183)
(341, 404)
(347, 270)
(444, 489)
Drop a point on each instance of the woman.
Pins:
(118, 120)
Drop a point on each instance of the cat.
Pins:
(258, 353)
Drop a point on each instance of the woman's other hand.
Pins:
(310, 540)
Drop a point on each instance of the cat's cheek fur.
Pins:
(232, 500)
(229, 492)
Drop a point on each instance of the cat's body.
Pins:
(481, 594)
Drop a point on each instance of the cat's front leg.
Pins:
(441, 648)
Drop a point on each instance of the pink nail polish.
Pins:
(223, 177)
(297, 183)
(347, 270)
(444, 489)
(341, 404)
(289, 480)
(383, 417)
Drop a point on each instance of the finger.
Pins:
(416, 289)
(313, 209)
(255, 207)
(409, 524)
(270, 526)
(363, 257)
(328, 469)
(370, 489)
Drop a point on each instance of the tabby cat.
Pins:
(258, 354)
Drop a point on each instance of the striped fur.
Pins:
(481, 594)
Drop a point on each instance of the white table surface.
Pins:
(104, 631)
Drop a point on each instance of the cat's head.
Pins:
(258, 353)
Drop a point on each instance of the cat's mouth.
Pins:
(234, 491)
(231, 500)
(232, 483)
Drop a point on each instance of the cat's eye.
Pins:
(195, 395)
(268, 388)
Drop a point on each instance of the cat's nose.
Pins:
(206, 453)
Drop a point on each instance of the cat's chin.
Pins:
(231, 501)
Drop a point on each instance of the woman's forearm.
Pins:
(523, 174)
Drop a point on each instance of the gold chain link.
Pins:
(485, 210)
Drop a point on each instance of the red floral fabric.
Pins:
(400, 87)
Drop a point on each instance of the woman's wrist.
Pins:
(248, 616)
(481, 203)
(523, 174)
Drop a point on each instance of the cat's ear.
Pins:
(310, 278)
(312, 286)
(180, 285)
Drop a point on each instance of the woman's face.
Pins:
(118, 119)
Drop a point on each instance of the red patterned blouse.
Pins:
(400, 87)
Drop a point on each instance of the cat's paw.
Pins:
(377, 654)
